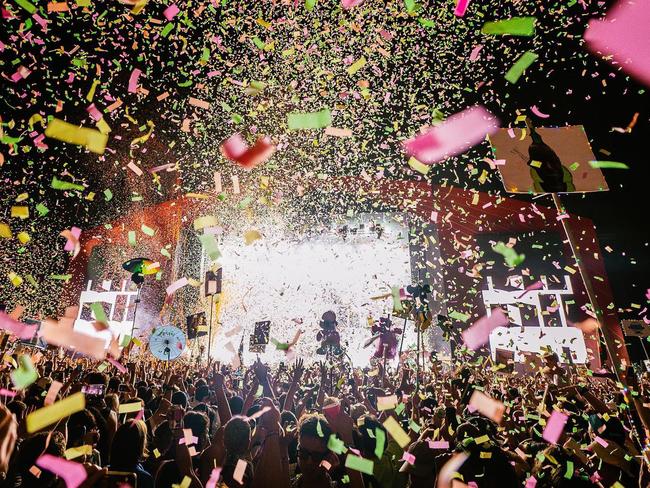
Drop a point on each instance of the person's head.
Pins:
(163, 437)
(236, 404)
(202, 393)
(82, 429)
(313, 433)
(198, 423)
(129, 445)
(421, 470)
(18, 408)
(30, 450)
(180, 398)
(236, 437)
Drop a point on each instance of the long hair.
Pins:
(129, 445)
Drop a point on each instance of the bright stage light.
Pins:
(285, 280)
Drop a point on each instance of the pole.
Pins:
(610, 345)
(417, 357)
(135, 311)
(401, 343)
(210, 326)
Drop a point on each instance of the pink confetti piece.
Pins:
(171, 289)
(72, 243)
(57, 335)
(601, 441)
(52, 392)
(479, 333)
(475, 52)
(538, 285)
(409, 458)
(623, 35)
(454, 136)
(438, 444)
(531, 482)
(171, 11)
(487, 406)
(72, 473)
(94, 112)
(236, 149)
(140, 414)
(554, 427)
(133, 80)
(17, 328)
(537, 112)
(348, 4)
(7, 393)
(119, 366)
(240, 469)
(214, 478)
(461, 8)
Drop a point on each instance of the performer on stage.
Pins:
(328, 335)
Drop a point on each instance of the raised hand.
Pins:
(298, 370)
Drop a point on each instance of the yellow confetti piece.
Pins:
(418, 166)
(396, 431)
(92, 139)
(53, 413)
(130, 407)
(5, 231)
(75, 452)
(205, 221)
(20, 212)
(102, 126)
(23, 237)
(357, 65)
(251, 236)
(15, 279)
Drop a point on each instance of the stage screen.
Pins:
(287, 281)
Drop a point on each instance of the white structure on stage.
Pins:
(120, 315)
(518, 338)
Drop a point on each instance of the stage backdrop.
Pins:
(465, 223)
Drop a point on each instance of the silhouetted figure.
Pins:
(546, 169)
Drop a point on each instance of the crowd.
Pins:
(151, 424)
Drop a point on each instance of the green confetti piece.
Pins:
(108, 195)
(245, 202)
(517, 69)
(167, 29)
(380, 442)
(463, 317)
(574, 166)
(608, 165)
(61, 277)
(99, 313)
(319, 430)
(126, 340)
(516, 26)
(280, 346)
(427, 22)
(42, 209)
(165, 253)
(259, 392)
(26, 5)
(147, 230)
(510, 256)
(5, 139)
(210, 246)
(58, 184)
(25, 374)
(310, 4)
(399, 408)
(102, 367)
(258, 42)
(336, 445)
(569, 470)
(414, 426)
(397, 302)
(132, 241)
(411, 6)
(309, 120)
(359, 464)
